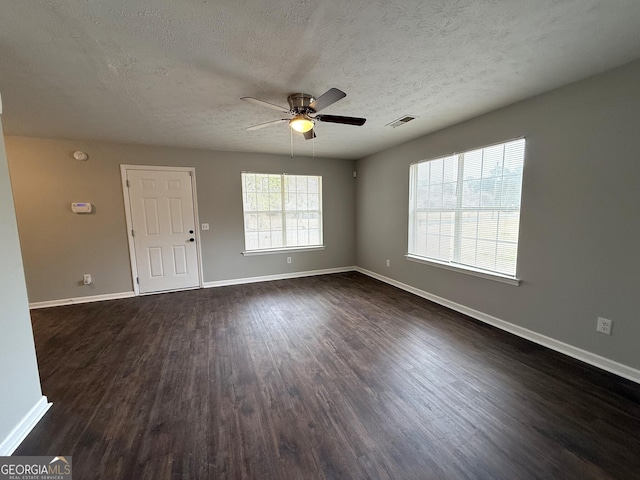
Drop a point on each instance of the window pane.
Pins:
(488, 192)
(473, 165)
(301, 184)
(469, 224)
(488, 225)
(262, 183)
(249, 182)
(301, 201)
(509, 226)
(275, 201)
(313, 184)
(262, 201)
(314, 202)
(492, 158)
(251, 240)
(471, 193)
(289, 183)
(276, 222)
(435, 196)
(275, 183)
(514, 156)
(422, 197)
(506, 258)
(433, 246)
(436, 167)
(276, 239)
(290, 202)
(251, 223)
(486, 255)
(450, 169)
(449, 195)
(468, 251)
(314, 221)
(264, 240)
(314, 236)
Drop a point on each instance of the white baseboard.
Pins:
(279, 276)
(20, 432)
(218, 283)
(77, 300)
(591, 358)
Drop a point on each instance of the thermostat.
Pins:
(81, 207)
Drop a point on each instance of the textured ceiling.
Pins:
(169, 72)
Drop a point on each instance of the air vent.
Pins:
(401, 121)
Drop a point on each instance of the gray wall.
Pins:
(18, 368)
(580, 218)
(60, 246)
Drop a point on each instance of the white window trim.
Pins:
(271, 251)
(476, 272)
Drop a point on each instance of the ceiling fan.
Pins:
(303, 109)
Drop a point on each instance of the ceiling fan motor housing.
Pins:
(299, 103)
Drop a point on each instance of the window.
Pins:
(464, 209)
(281, 211)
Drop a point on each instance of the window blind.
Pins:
(464, 209)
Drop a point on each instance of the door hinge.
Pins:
(138, 280)
(128, 183)
(133, 234)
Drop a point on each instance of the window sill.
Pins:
(312, 248)
(467, 270)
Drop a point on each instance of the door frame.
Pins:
(127, 214)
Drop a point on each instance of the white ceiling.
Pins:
(171, 72)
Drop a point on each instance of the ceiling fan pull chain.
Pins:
(291, 134)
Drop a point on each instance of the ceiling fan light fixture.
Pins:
(301, 124)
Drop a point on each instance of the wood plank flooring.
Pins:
(329, 377)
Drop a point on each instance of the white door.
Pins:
(163, 229)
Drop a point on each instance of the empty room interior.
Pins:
(321, 240)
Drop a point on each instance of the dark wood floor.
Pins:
(336, 377)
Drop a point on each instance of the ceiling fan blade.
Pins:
(327, 98)
(262, 103)
(310, 134)
(339, 119)
(268, 124)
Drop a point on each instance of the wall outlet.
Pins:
(388, 262)
(204, 226)
(604, 325)
(87, 279)
(288, 259)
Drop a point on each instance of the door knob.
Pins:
(191, 231)
(192, 239)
